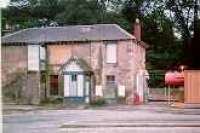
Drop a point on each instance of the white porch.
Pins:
(77, 81)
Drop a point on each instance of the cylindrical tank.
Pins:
(174, 78)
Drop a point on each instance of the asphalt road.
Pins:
(121, 119)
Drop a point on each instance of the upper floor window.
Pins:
(36, 57)
(33, 57)
(111, 53)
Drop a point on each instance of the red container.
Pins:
(174, 78)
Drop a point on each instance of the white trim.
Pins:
(121, 91)
(111, 53)
(80, 87)
(73, 67)
(98, 90)
(33, 57)
(66, 85)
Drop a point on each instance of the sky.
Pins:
(4, 3)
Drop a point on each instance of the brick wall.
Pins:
(130, 61)
(59, 54)
(14, 72)
(18, 85)
(14, 60)
(130, 58)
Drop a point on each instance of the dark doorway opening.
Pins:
(53, 84)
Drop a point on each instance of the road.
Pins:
(119, 119)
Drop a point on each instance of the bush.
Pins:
(12, 89)
(121, 100)
(57, 100)
(98, 101)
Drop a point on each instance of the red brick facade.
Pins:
(18, 84)
(130, 59)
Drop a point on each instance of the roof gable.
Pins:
(75, 64)
(73, 67)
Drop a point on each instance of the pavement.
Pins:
(151, 118)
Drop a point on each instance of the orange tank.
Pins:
(174, 78)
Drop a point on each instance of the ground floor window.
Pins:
(110, 79)
(53, 84)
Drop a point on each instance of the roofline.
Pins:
(13, 33)
(50, 42)
(131, 37)
(21, 43)
(143, 44)
(125, 32)
(49, 27)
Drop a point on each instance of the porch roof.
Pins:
(79, 61)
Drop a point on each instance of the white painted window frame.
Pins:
(33, 57)
(111, 53)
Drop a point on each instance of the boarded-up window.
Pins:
(53, 84)
(42, 53)
(42, 58)
(33, 57)
(111, 53)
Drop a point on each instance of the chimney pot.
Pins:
(137, 29)
(137, 20)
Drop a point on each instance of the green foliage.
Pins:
(80, 12)
(164, 47)
(48, 71)
(13, 89)
(57, 100)
(156, 79)
(98, 101)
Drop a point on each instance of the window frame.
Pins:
(110, 77)
(116, 52)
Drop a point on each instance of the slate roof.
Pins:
(96, 32)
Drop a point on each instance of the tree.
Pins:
(80, 12)
(31, 13)
(194, 58)
(161, 21)
(186, 19)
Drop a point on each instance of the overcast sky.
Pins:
(4, 3)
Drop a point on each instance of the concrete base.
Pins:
(186, 105)
(192, 106)
(74, 100)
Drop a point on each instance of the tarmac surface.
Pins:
(151, 118)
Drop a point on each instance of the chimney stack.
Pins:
(137, 29)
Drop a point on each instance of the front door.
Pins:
(74, 86)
